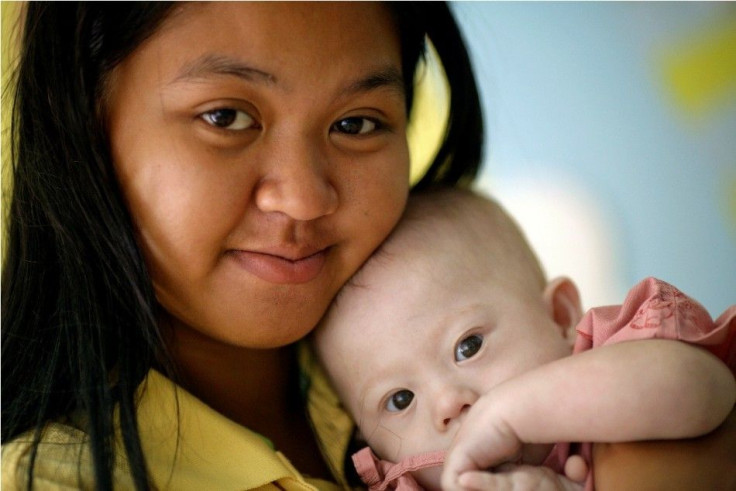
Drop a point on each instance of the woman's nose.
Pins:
(296, 182)
(450, 404)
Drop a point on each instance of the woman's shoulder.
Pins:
(56, 461)
(62, 459)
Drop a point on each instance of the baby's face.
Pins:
(413, 345)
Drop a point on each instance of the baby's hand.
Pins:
(483, 441)
(509, 477)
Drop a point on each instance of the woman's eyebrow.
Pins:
(389, 77)
(210, 64)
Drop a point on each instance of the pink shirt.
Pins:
(652, 309)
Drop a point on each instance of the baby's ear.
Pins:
(562, 299)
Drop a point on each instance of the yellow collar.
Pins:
(188, 445)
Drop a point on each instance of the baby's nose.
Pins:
(451, 403)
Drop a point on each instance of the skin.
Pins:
(261, 149)
(706, 462)
(520, 385)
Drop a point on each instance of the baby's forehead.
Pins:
(432, 244)
(425, 247)
(400, 266)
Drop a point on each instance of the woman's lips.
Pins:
(278, 269)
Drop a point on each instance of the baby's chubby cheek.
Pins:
(395, 444)
(387, 444)
(429, 478)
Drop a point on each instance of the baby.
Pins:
(471, 352)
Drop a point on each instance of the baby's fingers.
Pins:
(478, 480)
(516, 478)
(455, 465)
(467, 459)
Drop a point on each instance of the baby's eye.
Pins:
(228, 119)
(356, 126)
(468, 347)
(399, 400)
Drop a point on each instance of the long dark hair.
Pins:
(79, 329)
(458, 159)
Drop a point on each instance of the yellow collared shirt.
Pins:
(210, 451)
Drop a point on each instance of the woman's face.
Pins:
(261, 149)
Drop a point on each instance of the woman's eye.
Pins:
(228, 119)
(399, 400)
(355, 126)
(468, 347)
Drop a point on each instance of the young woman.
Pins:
(192, 183)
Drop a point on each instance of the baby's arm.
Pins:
(635, 390)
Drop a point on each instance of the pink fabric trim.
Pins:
(380, 475)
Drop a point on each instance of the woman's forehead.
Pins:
(288, 50)
(274, 30)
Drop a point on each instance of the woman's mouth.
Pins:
(275, 268)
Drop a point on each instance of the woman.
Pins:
(192, 184)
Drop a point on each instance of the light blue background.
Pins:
(574, 91)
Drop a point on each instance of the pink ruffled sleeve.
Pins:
(656, 309)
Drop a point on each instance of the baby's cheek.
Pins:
(386, 443)
(429, 478)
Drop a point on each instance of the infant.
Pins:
(451, 337)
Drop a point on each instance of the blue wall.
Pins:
(593, 149)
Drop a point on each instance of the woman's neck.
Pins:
(246, 385)
(258, 389)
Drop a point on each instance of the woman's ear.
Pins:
(562, 299)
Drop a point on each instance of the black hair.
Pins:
(78, 324)
(79, 330)
(458, 160)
